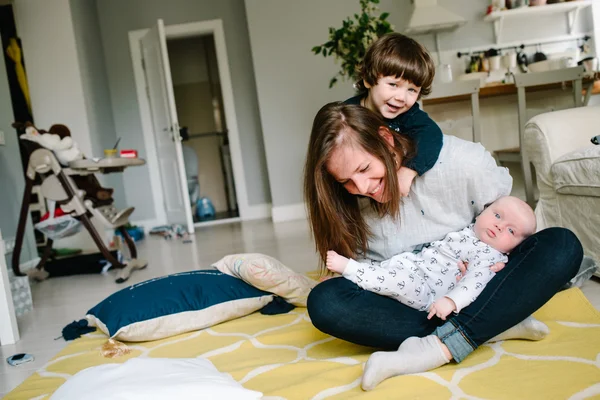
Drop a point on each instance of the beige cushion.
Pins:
(578, 173)
(268, 274)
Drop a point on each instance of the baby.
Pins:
(427, 280)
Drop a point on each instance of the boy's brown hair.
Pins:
(395, 54)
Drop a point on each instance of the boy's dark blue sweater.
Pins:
(425, 133)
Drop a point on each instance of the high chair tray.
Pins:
(117, 162)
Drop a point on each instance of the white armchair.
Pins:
(567, 167)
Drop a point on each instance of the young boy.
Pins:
(395, 73)
(426, 280)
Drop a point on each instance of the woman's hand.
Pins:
(441, 308)
(497, 267)
(405, 179)
(462, 266)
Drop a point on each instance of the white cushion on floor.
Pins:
(154, 379)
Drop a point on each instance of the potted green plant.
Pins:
(349, 43)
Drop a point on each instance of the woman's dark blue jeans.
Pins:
(535, 271)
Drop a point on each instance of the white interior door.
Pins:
(159, 86)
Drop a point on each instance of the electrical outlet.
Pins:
(9, 245)
(2, 139)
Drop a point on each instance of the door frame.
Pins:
(180, 31)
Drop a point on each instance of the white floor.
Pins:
(59, 301)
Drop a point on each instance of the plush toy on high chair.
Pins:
(80, 196)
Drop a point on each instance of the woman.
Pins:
(353, 159)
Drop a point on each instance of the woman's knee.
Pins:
(326, 301)
(562, 247)
(315, 300)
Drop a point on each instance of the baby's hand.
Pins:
(441, 308)
(335, 262)
(405, 179)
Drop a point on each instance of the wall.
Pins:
(187, 58)
(117, 18)
(292, 82)
(94, 81)
(596, 24)
(68, 82)
(479, 33)
(53, 70)
(12, 179)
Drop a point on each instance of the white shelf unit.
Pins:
(569, 8)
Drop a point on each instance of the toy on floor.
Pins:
(596, 139)
(170, 231)
(136, 232)
(205, 209)
(92, 263)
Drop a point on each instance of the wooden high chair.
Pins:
(59, 184)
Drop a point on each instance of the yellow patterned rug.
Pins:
(286, 358)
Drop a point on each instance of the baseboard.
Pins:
(257, 211)
(290, 212)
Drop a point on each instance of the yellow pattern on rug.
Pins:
(285, 357)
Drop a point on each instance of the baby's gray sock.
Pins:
(414, 355)
(529, 329)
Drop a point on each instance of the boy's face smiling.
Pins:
(391, 96)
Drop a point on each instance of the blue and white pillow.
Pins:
(174, 304)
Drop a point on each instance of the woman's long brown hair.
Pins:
(334, 214)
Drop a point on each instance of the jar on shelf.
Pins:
(511, 4)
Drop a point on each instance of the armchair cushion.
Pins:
(578, 173)
(567, 168)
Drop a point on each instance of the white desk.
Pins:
(9, 331)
